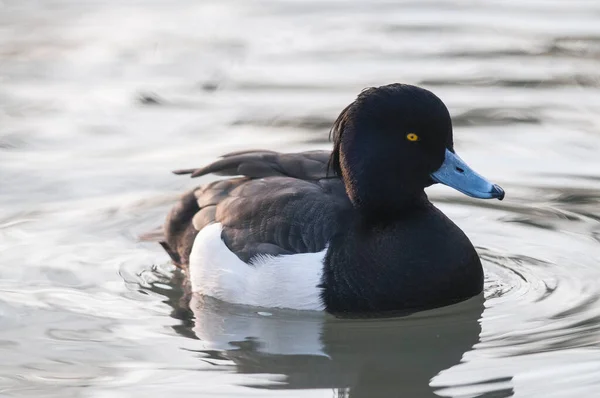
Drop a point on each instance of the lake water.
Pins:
(100, 99)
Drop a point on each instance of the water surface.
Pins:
(100, 99)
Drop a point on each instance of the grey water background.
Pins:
(100, 99)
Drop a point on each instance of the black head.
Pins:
(387, 143)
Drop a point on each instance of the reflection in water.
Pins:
(380, 357)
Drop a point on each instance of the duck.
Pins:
(350, 230)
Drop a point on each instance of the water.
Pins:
(100, 99)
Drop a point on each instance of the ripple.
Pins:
(548, 308)
(511, 278)
(496, 117)
(304, 122)
(578, 80)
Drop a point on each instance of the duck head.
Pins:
(392, 142)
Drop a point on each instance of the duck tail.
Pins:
(179, 231)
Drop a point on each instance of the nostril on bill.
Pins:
(459, 169)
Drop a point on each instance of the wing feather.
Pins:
(283, 204)
(312, 165)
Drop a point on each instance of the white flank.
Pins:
(288, 281)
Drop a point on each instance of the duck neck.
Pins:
(374, 210)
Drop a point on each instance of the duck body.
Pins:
(347, 231)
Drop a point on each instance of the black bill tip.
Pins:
(497, 192)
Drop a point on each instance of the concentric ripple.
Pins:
(542, 290)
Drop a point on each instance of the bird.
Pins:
(346, 231)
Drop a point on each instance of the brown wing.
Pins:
(311, 165)
(284, 204)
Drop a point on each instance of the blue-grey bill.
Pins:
(455, 173)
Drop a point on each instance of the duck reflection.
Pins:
(376, 357)
(359, 357)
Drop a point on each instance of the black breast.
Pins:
(421, 261)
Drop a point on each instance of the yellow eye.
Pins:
(412, 137)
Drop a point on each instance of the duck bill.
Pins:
(455, 173)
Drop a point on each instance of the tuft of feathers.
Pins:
(335, 135)
(342, 123)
